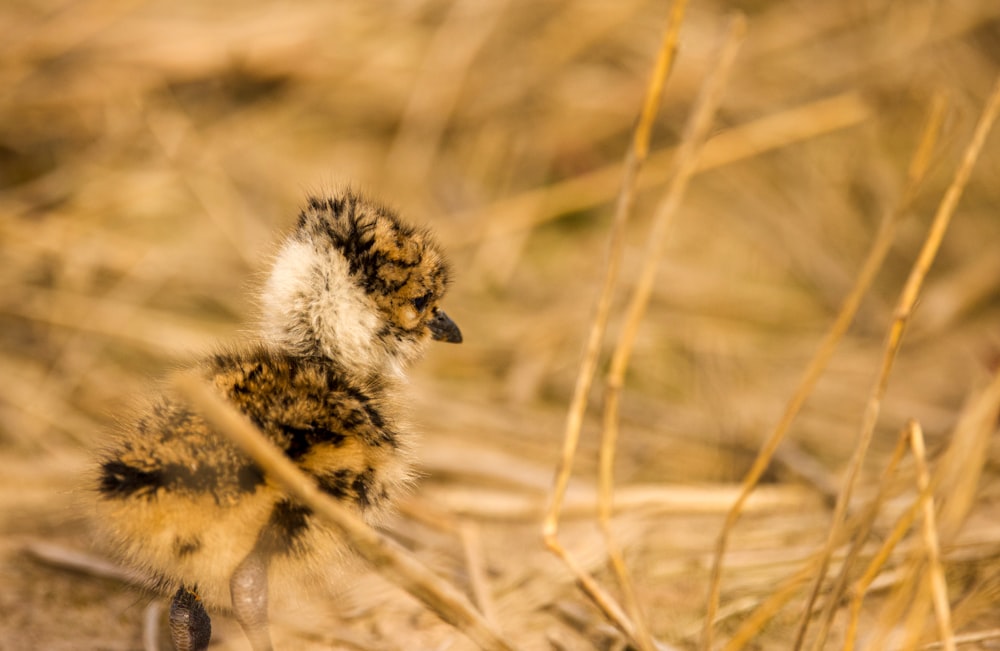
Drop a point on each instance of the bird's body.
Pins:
(187, 507)
(351, 299)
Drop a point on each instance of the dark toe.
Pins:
(190, 625)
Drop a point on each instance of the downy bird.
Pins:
(352, 298)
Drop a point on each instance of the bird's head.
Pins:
(357, 285)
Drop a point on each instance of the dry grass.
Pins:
(149, 152)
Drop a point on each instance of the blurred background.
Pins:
(152, 153)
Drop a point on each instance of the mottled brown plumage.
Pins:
(352, 298)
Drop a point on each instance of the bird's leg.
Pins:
(190, 625)
(248, 587)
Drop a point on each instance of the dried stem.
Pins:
(472, 544)
(976, 424)
(904, 308)
(759, 618)
(809, 120)
(878, 561)
(939, 588)
(438, 80)
(696, 131)
(919, 163)
(883, 554)
(78, 561)
(969, 638)
(633, 163)
(918, 168)
(500, 504)
(634, 159)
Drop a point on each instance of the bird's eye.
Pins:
(420, 302)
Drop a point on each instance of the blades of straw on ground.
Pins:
(79, 561)
(472, 545)
(501, 504)
(799, 123)
(390, 559)
(752, 624)
(436, 87)
(977, 637)
(939, 587)
(920, 585)
(903, 524)
(694, 137)
(634, 159)
(919, 163)
(957, 476)
(904, 308)
(858, 538)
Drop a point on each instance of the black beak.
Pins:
(444, 329)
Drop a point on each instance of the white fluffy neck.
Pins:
(312, 306)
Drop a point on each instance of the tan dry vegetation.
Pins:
(150, 151)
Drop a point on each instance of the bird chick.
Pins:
(352, 298)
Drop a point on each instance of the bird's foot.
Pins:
(248, 587)
(190, 625)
